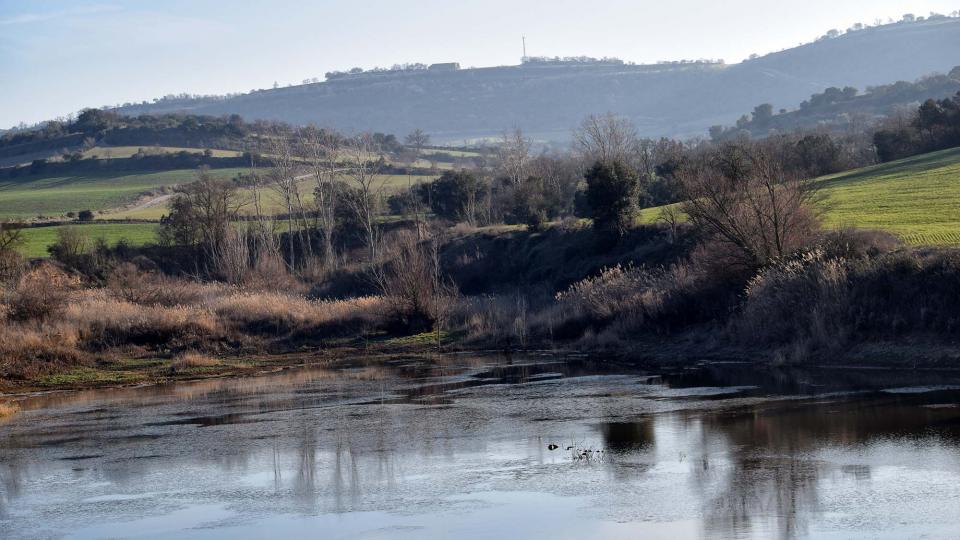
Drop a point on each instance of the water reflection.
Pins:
(409, 444)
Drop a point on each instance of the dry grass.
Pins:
(28, 351)
(103, 321)
(277, 312)
(192, 360)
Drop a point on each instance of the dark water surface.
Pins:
(492, 447)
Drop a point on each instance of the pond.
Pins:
(467, 446)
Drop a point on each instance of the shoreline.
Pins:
(148, 372)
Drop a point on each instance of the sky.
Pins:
(57, 57)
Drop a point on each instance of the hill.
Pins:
(845, 109)
(547, 99)
(915, 198)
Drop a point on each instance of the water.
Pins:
(492, 447)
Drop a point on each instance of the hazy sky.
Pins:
(57, 57)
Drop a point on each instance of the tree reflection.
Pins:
(768, 469)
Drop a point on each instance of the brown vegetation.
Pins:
(8, 409)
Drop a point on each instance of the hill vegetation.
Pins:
(545, 99)
(843, 109)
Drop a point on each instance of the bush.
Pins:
(417, 294)
(655, 301)
(129, 283)
(27, 352)
(85, 215)
(815, 302)
(40, 294)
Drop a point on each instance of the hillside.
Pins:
(915, 198)
(547, 100)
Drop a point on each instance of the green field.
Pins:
(917, 198)
(273, 203)
(37, 239)
(53, 196)
(120, 152)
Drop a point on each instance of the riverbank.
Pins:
(688, 351)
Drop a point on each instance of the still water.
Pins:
(492, 447)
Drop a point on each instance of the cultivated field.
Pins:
(120, 152)
(34, 196)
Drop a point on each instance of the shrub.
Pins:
(129, 283)
(816, 303)
(27, 352)
(413, 286)
(40, 294)
(495, 320)
(103, 322)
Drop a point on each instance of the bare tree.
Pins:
(746, 203)
(364, 163)
(203, 214)
(513, 156)
(416, 140)
(419, 294)
(11, 235)
(262, 233)
(285, 181)
(321, 148)
(607, 138)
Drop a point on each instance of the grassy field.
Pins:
(120, 152)
(917, 198)
(272, 201)
(137, 234)
(53, 196)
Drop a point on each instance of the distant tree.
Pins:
(201, 215)
(513, 156)
(456, 196)
(364, 161)
(416, 140)
(321, 148)
(716, 132)
(606, 138)
(818, 155)
(85, 215)
(11, 235)
(11, 238)
(611, 194)
(72, 247)
(762, 114)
